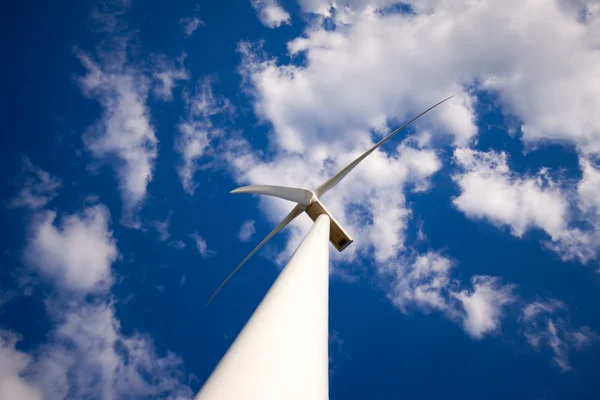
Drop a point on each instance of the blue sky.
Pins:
(474, 270)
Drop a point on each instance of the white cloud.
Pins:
(490, 190)
(583, 243)
(89, 344)
(318, 116)
(483, 305)
(167, 74)
(177, 244)
(545, 327)
(537, 52)
(162, 228)
(425, 283)
(38, 187)
(88, 356)
(106, 16)
(534, 309)
(247, 230)
(197, 131)
(125, 132)
(325, 7)
(190, 25)
(589, 188)
(201, 245)
(77, 254)
(13, 364)
(124, 136)
(270, 13)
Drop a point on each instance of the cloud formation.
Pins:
(162, 228)
(78, 253)
(190, 25)
(490, 190)
(270, 13)
(13, 364)
(37, 189)
(545, 326)
(201, 245)
(167, 74)
(125, 136)
(198, 129)
(483, 305)
(88, 356)
(426, 284)
(536, 53)
(247, 230)
(124, 132)
(92, 357)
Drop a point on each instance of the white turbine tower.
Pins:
(282, 351)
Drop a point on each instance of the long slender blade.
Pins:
(334, 180)
(297, 195)
(289, 218)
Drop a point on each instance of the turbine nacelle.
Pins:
(309, 202)
(337, 235)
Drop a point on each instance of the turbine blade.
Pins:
(289, 218)
(334, 180)
(297, 195)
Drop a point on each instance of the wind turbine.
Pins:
(281, 353)
(308, 201)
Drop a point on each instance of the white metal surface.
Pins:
(282, 351)
(301, 196)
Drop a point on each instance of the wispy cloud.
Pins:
(198, 129)
(162, 228)
(247, 230)
(37, 189)
(124, 132)
(125, 136)
(167, 75)
(201, 245)
(545, 326)
(190, 25)
(177, 244)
